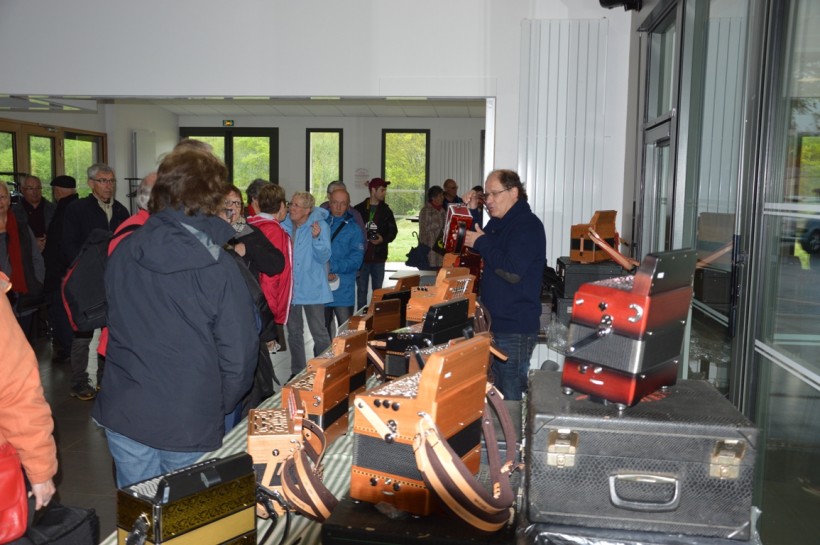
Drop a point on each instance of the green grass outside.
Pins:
(397, 251)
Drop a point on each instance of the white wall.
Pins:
(357, 48)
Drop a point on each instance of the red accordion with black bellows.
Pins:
(626, 334)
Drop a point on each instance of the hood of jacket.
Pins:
(316, 214)
(171, 241)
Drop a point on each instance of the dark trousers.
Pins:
(342, 314)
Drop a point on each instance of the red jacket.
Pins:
(25, 416)
(278, 289)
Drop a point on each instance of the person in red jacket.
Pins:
(278, 289)
(25, 416)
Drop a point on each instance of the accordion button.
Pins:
(396, 487)
(395, 406)
(386, 403)
(373, 481)
(377, 402)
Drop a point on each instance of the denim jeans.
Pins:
(511, 376)
(136, 462)
(315, 315)
(342, 314)
(368, 272)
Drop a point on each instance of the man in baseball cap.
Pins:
(380, 230)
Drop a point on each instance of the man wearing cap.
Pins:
(37, 210)
(380, 230)
(97, 211)
(64, 192)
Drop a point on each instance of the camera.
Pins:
(372, 231)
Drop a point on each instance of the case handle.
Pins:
(649, 506)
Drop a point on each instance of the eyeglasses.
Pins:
(107, 181)
(32, 189)
(494, 194)
(296, 204)
(233, 203)
(339, 203)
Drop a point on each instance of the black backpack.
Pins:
(83, 287)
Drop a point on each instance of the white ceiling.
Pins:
(262, 106)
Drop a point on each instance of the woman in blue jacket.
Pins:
(307, 226)
(347, 245)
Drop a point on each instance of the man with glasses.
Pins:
(513, 247)
(38, 210)
(99, 210)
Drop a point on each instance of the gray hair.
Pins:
(333, 186)
(308, 199)
(143, 194)
(95, 169)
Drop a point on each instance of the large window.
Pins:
(248, 153)
(406, 164)
(28, 148)
(324, 160)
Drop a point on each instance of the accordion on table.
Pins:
(323, 391)
(450, 283)
(626, 334)
(354, 343)
(583, 248)
(451, 389)
(273, 436)
(208, 502)
(379, 316)
(443, 322)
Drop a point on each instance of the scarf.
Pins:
(437, 206)
(18, 277)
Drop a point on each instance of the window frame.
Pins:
(229, 133)
(308, 133)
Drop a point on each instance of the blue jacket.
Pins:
(346, 257)
(310, 257)
(183, 342)
(514, 250)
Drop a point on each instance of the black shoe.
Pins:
(84, 392)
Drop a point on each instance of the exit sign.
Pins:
(227, 122)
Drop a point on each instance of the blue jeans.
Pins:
(315, 315)
(136, 462)
(368, 272)
(511, 375)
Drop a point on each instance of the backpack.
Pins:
(83, 286)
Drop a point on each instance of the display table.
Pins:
(337, 462)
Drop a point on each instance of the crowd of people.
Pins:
(208, 287)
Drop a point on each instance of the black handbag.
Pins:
(418, 257)
(58, 524)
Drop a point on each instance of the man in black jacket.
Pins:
(380, 231)
(64, 191)
(97, 211)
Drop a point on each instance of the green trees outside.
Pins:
(324, 161)
(405, 166)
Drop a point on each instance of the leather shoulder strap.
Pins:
(446, 474)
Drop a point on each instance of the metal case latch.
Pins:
(561, 448)
(726, 458)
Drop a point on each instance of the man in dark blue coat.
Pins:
(513, 248)
(183, 332)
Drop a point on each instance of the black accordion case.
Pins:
(678, 462)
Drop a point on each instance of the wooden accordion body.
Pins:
(273, 436)
(323, 392)
(451, 389)
(450, 283)
(354, 343)
(582, 248)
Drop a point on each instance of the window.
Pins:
(48, 151)
(324, 160)
(248, 153)
(406, 164)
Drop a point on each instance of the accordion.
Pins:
(208, 502)
(451, 390)
(583, 248)
(626, 333)
(456, 224)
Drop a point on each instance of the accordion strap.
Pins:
(302, 476)
(444, 472)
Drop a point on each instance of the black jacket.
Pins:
(183, 340)
(83, 216)
(56, 262)
(386, 224)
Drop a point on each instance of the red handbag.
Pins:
(13, 498)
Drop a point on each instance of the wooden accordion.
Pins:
(451, 389)
(582, 246)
